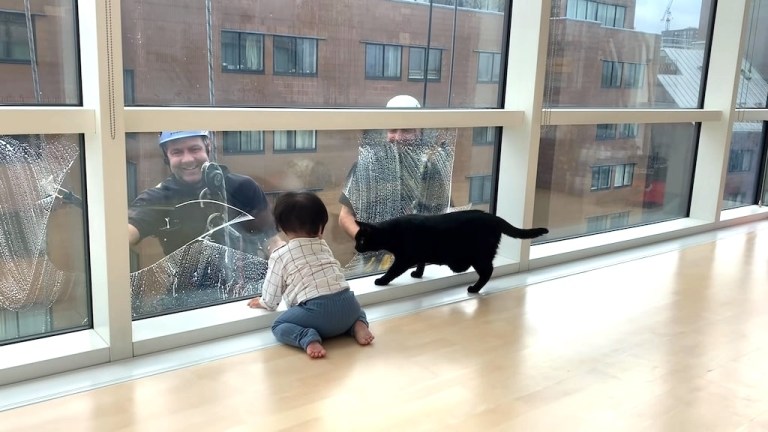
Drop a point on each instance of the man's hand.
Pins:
(254, 303)
(347, 221)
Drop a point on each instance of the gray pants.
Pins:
(321, 317)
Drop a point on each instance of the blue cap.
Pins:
(172, 135)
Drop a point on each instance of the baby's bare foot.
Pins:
(363, 335)
(315, 350)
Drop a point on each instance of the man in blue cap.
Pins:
(194, 214)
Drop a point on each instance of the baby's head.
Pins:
(300, 213)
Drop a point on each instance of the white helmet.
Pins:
(403, 101)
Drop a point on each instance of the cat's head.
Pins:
(368, 238)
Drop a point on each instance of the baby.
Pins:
(310, 281)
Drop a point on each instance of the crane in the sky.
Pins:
(667, 17)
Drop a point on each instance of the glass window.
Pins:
(39, 62)
(14, 43)
(742, 182)
(639, 61)
(594, 177)
(295, 141)
(382, 61)
(43, 281)
(181, 263)
(488, 67)
(243, 52)
(416, 63)
(295, 56)
(180, 60)
(244, 142)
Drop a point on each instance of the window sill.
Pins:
(41, 357)
(557, 252)
(185, 328)
(744, 214)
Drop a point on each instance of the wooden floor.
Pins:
(673, 342)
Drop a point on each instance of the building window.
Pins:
(14, 44)
(607, 222)
(607, 14)
(295, 141)
(383, 61)
(623, 175)
(634, 75)
(606, 132)
(128, 90)
(484, 135)
(244, 142)
(740, 161)
(628, 130)
(606, 176)
(480, 189)
(295, 56)
(416, 63)
(616, 74)
(242, 52)
(601, 177)
(488, 67)
(611, 74)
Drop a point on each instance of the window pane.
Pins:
(43, 283)
(167, 45)
(743, 182)
(285, 55)
(53, 78)
(575, 172)
(392, 59)
(416, 63)
(646, 67)
(181, 267)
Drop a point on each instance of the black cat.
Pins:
(459, 240)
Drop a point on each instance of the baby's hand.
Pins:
(255, 303)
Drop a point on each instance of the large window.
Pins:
(14, 41)
(416, 63)
(644, 67)
(295, 56)
(593, 177)
(488, 67)
(383, 61)
(362, 53)
(351, 167)
(43, 281)
(242, 52)
(39, 63)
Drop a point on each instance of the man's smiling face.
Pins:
(186, 157)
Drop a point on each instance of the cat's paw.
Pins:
(417, 274)
(473, 289)
(380, 281)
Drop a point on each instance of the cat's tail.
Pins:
(521, 233)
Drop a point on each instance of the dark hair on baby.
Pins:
(301, 213)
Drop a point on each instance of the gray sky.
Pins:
(685, 13)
